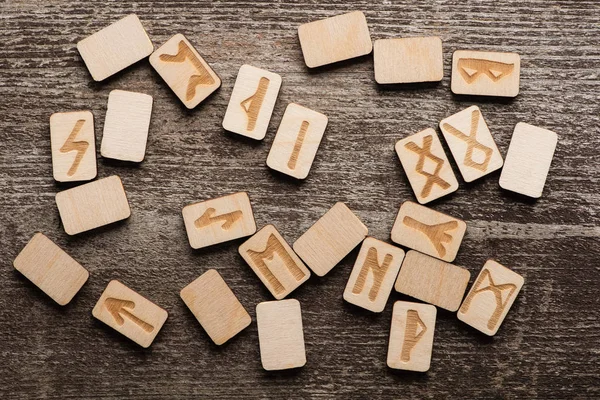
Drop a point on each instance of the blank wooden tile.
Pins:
(408, 60)
(126, 126)
(411, 336)
(471, 143)
(115, 47)
(92, 205)
(485, 73)
(252, 101)
(280, 334)
(129, 313)
(219, 220)
(373, 275)
(335, 39)
(432, 280)
(51, 269)
(528, 160)
(491, 296)
(330, 239)
(297, 141)
(428, 231)
(185, 71)
(215, 306)
(73, 146)
(426, 166)
(275, 263)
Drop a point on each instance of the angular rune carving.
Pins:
(372, 264)
(437, 233)
(120, 308)
(298, 145)
(71, 145)
(412, 335)
(425, 152)
(472, 68)
(472, 143)
(252, 104)
(227, 220)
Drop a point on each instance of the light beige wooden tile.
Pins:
(426, 166)
(219, 220)
(252, 101)
(411, 336)
(408, 60)
(115, 47)
(471, 143)
(185, 71)
(73, 146)
(528, 160)
(330, 239)
(280, 334)
(335, 39)
(215, 306)
(433, 281)
(428, 231)
(126, 126)
(129, 313)
(51, 269)
(92, 205)
(491, 296)
(275, 263)
(485, 73)
(373, 275)
(297, 141)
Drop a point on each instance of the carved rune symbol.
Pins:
(425, 152)
(437, 234)
(372, 264)
(412, 334)
(497, 290)
(118, 309)
(71, 145)
(227, 219)
(202, 78)
(298, 145)
(472, 68)
(253, 103)
(472, 143)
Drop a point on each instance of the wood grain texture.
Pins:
(546, 348)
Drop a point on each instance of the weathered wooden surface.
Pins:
(549, 345)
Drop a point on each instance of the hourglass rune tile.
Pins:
(73, 146)
(252, 101)
(426, 166)
(373, 275)
(485, 73)
(219, 220)
(490, 298)
(428, 231)
(411, 336)
(471, 143)
(297, 141)
(185, 71)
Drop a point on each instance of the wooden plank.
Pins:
(428, 231)
(408, 60)
(219, 220)
(51, 269)
(297, 141)
(426, 166)
(115, 47)
(432, 280)
(411, 336)
(485, 73)
(274, 261)
(215, 307)
(280, 334)
(471, 143)
(528, 160)
(129, 313)
(185, 71)
(335, 39)
(373, 275)
(252, 101)
(93, 205)
(330, 239)
(126, 126)
(73, 146)
(490, 298)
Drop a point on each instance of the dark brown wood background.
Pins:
(549, 344)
